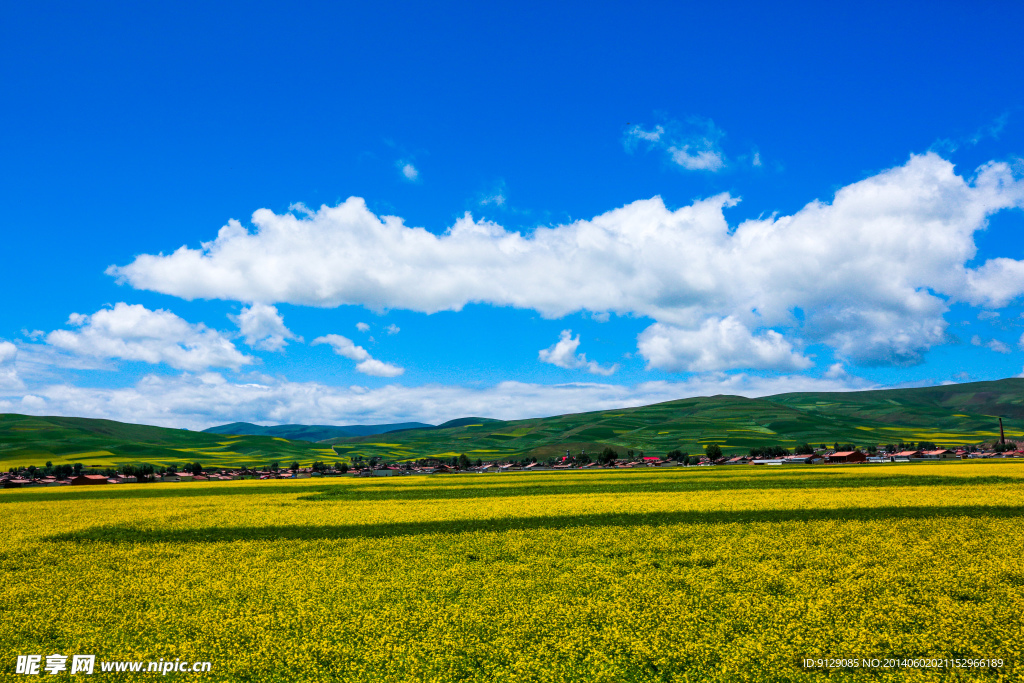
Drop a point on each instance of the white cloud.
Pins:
(756, 161)
(717, 345)
(994, 344)
(133, 332)
(874, 271)
(693, 146)
(563, 354)
(8, 372)
(392, 329)
(409, 171)
(343, 346)
(362, 327)
(988, 315)
(200, 401)
(376, 368)
(263, 327)
(8, 352)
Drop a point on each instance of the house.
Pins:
(840, 457)
(767, 461)
(16, 483)
(941, 453)
(89, 480)
(802, 459)
(909, 454)
(738, 460)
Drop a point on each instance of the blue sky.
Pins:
(379, 212)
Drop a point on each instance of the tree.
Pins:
(713, 451)
(294, 467)
(804, 449)
(694, 460)
(463, 462)
(344, 468)
(608, 456)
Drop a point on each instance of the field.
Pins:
(696, 574)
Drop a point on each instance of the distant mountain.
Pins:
(313, 432)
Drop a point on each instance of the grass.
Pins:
(725, 574)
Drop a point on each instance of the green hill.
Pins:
(948, 415)
(312, 432)
(29, 440)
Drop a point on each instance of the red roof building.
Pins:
(847, 456)
(89, 480)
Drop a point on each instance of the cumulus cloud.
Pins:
(873, 271)
(197, 401)
(362, 327)
(563, 354)
(392, 329)
(133, 332)
(693, 146)
(263, 327)
(717, 345)
(8, 372)
(8, 352)
(343, 346)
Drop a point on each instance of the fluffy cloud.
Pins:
(343, 346)
(392, 329)
(362, 327)
(263, 327)
(873, 272)
(717, 345)
(133, 332)
(8, 352)
(563, 354)
(8, 373)
(204, 400)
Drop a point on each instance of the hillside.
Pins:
(312, 432)
(29, 440)
(949, 415)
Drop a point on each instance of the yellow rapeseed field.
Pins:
(695, 574)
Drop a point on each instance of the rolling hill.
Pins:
(947, 415)
(312, 432)
(28, 440)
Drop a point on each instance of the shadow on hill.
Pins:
(463, 487)
(136, 535)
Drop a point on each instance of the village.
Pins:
(77, 475)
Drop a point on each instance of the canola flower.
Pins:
(678, 575)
